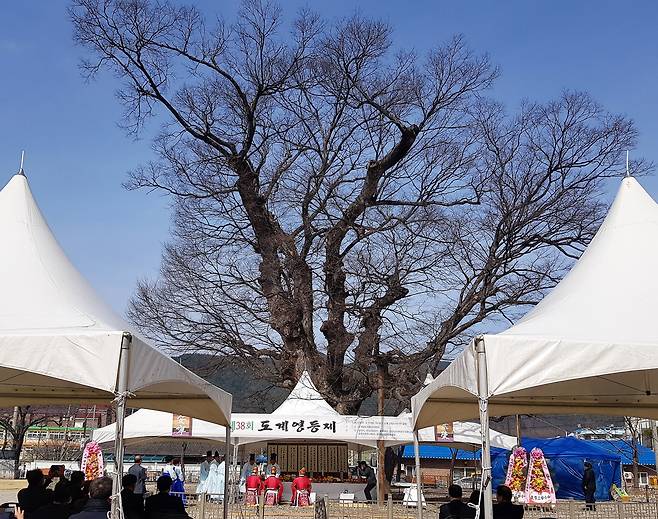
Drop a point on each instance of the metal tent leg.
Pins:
(121, 397)
(483, 398)
(419, 479)
(227, 470)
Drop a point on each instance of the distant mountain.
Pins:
(251, 393)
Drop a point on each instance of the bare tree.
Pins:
(67, 449)
(341, 206)
(16, 422)
(632, 425)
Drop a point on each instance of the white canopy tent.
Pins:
(148, 425)
(303, 415)
(61, 344)
(590, 347)
(306, 408)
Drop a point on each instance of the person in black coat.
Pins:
(504, 508)
(133, 504)
(98, 505)
(365, 472)
(589, 486)
(476, 502)
(35, 495)
(60, 508)
(162, 504)
(456, 508)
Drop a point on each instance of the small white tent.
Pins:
(590, 347)
(146, 424)
(303, 406)
(305, 399)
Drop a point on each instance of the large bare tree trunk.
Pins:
(381, 446)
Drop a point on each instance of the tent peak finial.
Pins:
(21, 171)
(628, 169)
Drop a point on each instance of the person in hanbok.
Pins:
(253, 487)
(214, 484)
(174, 471)
(274, 486)
(301, 489)
(247, 470)
(204, 471)
(273, 463)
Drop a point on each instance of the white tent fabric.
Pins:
(590, 347)
(256, 428)
(61, 344)
(147, 424)
(305, 399)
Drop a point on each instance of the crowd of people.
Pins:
(70, 498)
(456, 508)
(75, 498)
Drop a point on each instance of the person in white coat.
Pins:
(204, 471)
(247, 470)
(214, 483)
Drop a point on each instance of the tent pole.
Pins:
(182, 459)
(483, 400)
(419, 479)
(518, 430)
(120, 400)
(654, 443)
(227, 471)
(236, 480)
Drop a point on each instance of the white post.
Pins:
(483, 400)
(122, 395)
(227, 468)
(419, 481)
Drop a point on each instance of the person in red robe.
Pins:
(253, 484)
(302, 482)
(274, 483)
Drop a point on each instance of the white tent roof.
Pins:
(60, 343)
(145, 425)
(591, 346)
(305, 399)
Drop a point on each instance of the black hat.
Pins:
(208, 453)
(216, 454)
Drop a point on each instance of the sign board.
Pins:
(444, 432)
(181, 425)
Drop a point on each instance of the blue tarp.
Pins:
(438, 452)
(565, 458)
(623, 448)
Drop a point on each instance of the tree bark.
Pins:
(381, 446)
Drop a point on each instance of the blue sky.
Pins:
(78, 156)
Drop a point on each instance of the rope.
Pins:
(118, 505)
(121, 397)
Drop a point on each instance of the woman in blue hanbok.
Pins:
(174, 471)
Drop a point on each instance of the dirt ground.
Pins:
(9, 489)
